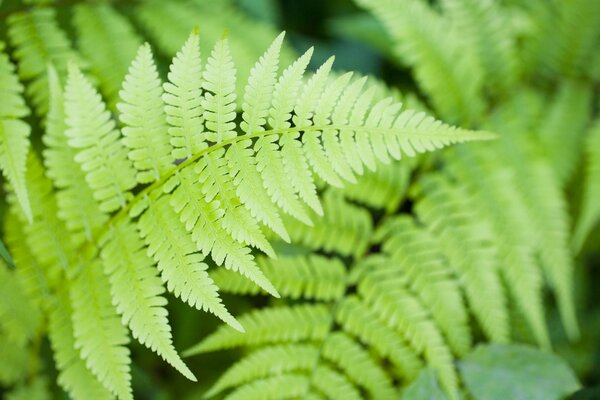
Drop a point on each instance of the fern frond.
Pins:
(404, 313)
(344, 227)
(545, 202)
(333, 384)
(201, 218)
(142, 114)
(33, 275)
(14, 133)
(415, 254)
(75, 199)
(182, 267)
(273, 360)
(38, 41)
(447, 73)
(47, 237)
(468, 245)
(136, 293)
(563, 128)
(483, 27)
(493, 187)
(358, 365)
(312, 277)
(100, 152)
(99, 334)
(183, 96)
(360, 320)
(269, 159)
(590, 208)
(270, 326)
(270, 388)
(563, 37)
(74, 377)
(108, 41)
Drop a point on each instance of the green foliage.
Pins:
(356, 260)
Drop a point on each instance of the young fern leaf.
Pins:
(183, 96)
(99, 334)
(142, 114)
(73, 375)
(100, 151)
(136, 292)
(182, 267)
(257, 99)
(14, 133)
(75, 199)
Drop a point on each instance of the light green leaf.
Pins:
(500, 372)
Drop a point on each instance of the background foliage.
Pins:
(528, 70)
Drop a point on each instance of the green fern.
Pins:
(14, 133)
(216, 192)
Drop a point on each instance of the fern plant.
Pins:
(204, 187)
(343, 255)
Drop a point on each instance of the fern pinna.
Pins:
(127, 209)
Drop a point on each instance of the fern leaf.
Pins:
(403, 312)
(181, 266)
(344, 228)
(75, 199)
(14, 145)
(493, 187)
(450, 76)
(108, 41)
(255, 109)
(141, 112)
(14, 133)
(13, 104)
(358, 365)
(312, 277)
(99, 335)
(360, 320)
(183, 94)
(270, 160)
(100, 152)
(73, 375)
(217, 184)
(34, 276)
(483, 27)
(47, 237)
(136, 293)
(270, 326)
(562, 131)
(271, 388)
(333, 384)
(279, 359)
(469, 250)
(415, 254)
(39, 41)
(219, 96)
(201, 218)
(590, 208)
